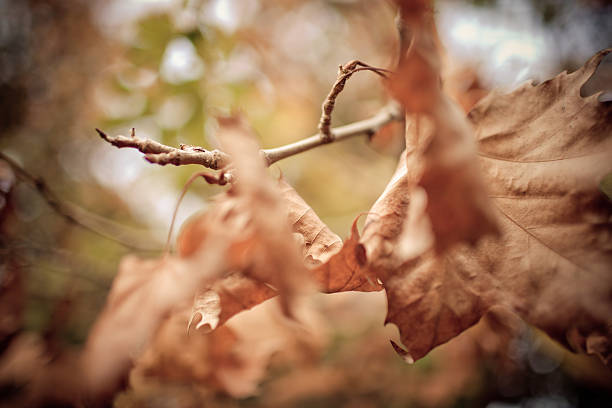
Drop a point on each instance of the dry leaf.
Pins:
(334, 265)
(245, 230)
(142, 295)
(543, 149)
(320, 242)
(206, 309)
(273, 255)
(416, 80)
(238, 293)
(384, 223)
(447, 162)
(451, 175)
(219, 360)
(347, 269)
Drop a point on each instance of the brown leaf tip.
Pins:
(402, 353)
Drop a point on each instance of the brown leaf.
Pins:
(273, 255)
(238, 293)
(265, 259)
(334, 265)
(544, 150)
(447, 169)
(320, 242)
(142, 295)
(451, 174)
(384, 223)
(219, 360)
(347, 269)
(416, 81)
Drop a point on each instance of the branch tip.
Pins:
(102, 134)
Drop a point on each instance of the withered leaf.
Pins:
(238, 293)
(220, 360)
(206, 308)
(246, 230)
(273, 255)
(448, 170)
(320, 242)
(266, 261)
(347, 269)
(334, 266)
(543, 149)
(142, 295)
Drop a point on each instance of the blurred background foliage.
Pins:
(166, 68)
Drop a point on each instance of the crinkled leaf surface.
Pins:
(273, 256)
(447, 167)
(334, 266)
(543, 150)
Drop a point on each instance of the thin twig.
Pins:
(161, 154)
(369, 126)
(344, 73)
(158, 153)
(76, 215)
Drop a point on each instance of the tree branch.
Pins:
(390, 113)
(215, 159)
(128, 237)
(161, 154)
(344, 73)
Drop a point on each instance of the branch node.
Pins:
(344, 73)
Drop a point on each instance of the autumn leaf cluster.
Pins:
(496, 212)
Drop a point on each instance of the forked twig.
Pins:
(161, 154)
(158, 153)
(344, 73)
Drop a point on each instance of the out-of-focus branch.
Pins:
(128, 237)
(161, 154)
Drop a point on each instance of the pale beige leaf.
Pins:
(206, 310)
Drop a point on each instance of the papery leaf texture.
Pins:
(543, 150)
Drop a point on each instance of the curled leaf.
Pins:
(446, 166)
